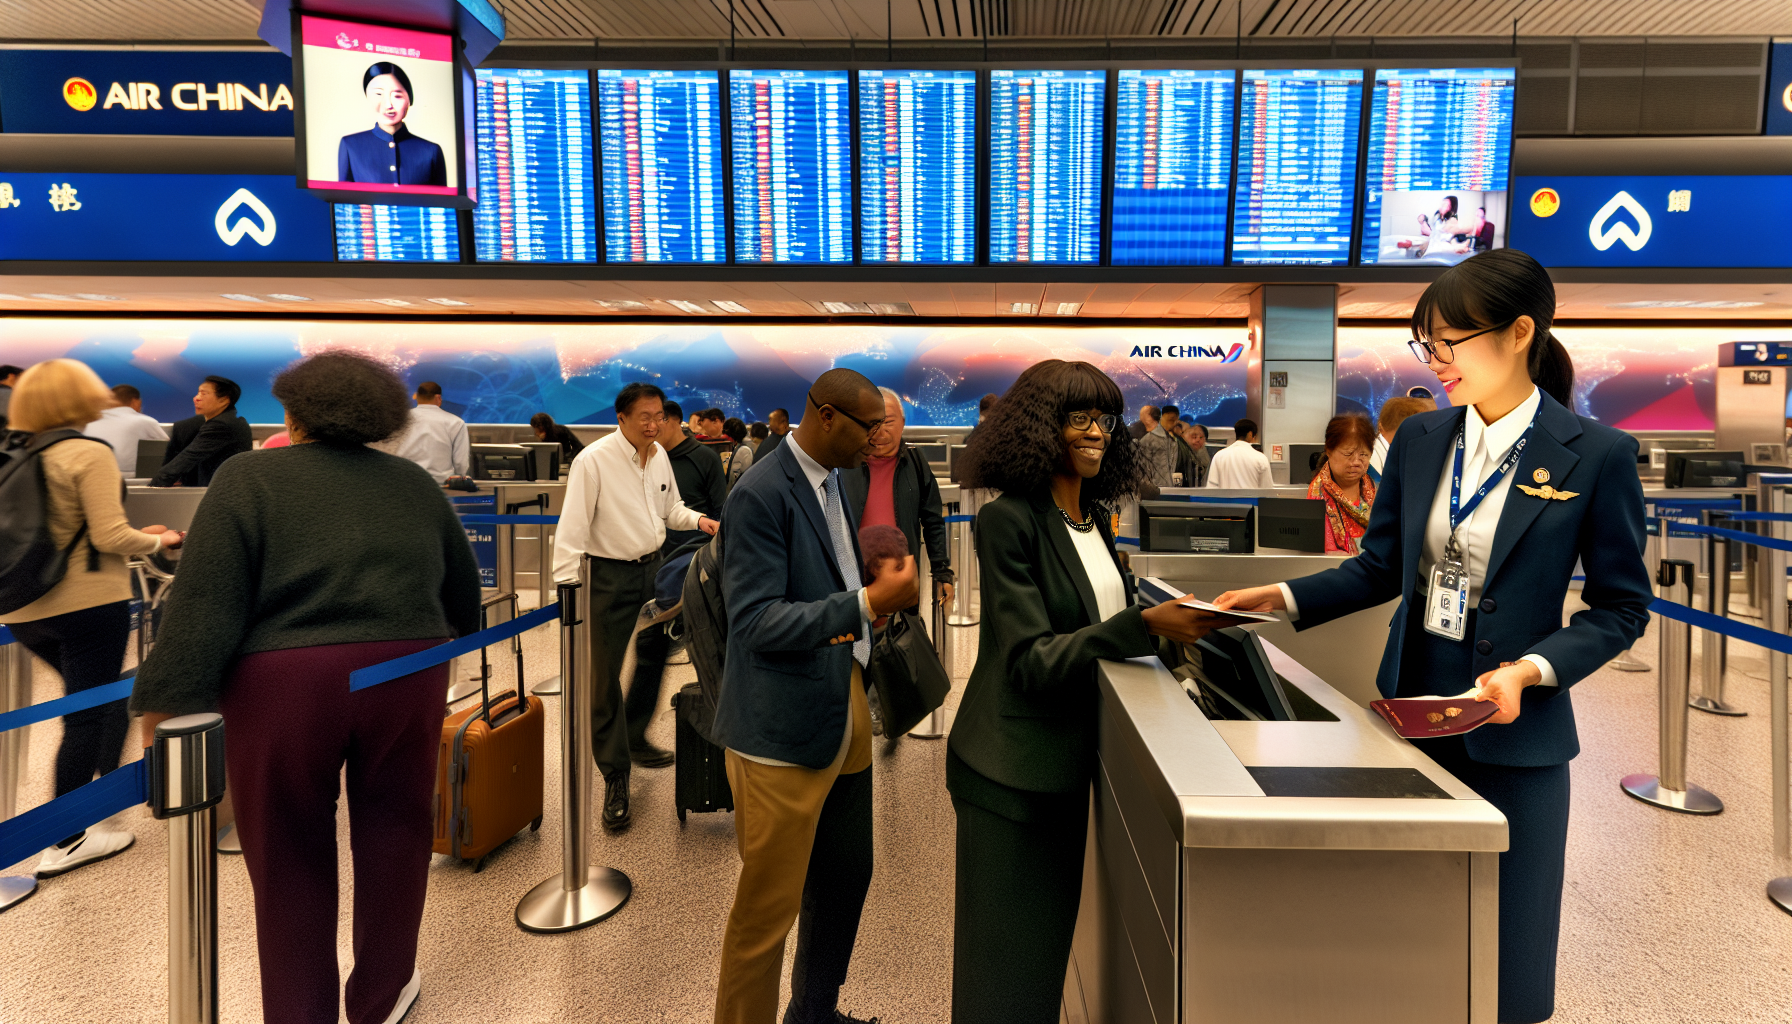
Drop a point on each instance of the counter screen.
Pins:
(1297, 145)
(792, 136)
(917, 166)
(1045, 156)
(403, 234)
(536, 198)
(1172, 167)
(661, 136)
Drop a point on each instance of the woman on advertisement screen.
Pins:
(387, 153)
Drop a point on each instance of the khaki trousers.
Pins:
(776, 810)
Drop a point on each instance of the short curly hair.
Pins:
(343, 399)
(1019, 445)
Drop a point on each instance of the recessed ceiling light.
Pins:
(392, 302)
(621, 305)
(285, 297)
(1684, 304)
(1026, 308)
(729, 306)
(52, 297)
(239, 297)
(5, 297)
(893, 308)
(448, 302)
(91, 297)
(1069, 308)
(843, 307)
(687, 307)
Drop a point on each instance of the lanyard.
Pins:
(1474, 501)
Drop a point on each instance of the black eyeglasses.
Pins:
(1082, 421)
(1443, 349)
(869, 427)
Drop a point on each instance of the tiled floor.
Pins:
(1664, 918)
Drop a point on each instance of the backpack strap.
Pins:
(40, 441)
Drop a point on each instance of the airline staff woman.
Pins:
(1484, 508)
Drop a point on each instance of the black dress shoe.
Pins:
(616, 802)
(649, 756)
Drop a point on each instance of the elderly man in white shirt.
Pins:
(123, 425)
(435, 439)
(620, 498)
(1238, 465)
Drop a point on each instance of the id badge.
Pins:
(1446, 610)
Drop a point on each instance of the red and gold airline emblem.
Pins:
(1545, 202)
(80, 93)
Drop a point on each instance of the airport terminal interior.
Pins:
(704, 239)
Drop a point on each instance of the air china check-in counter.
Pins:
(1265, 850)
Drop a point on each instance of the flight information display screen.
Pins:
(661, 136)
(1172, 166)
(792, 146)
(1439, 164)
(537, 200)
(1045, 173)
(1298, 130)
(403, 234)
(917, 166)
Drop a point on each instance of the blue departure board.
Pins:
(661, 137)
(1438, 164)
(537, 201)
(1298, 131)
(792, 136)
(402, 234)
(917, 166)
(1045, 154)
(1172, 167)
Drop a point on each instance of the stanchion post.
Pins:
(15, 693)
(963, 568)
(1780, 889)
(548, 687)
(581, 894)
(1714, 654)
(1670, 790)
(186, 781)
(933, 727)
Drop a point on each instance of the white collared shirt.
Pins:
(1378, 459)
(1238, 465)
(617, 508)
(122, 427)
(436, 440)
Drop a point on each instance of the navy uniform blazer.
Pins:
(787, 679)
(397, 159)
(1534, 551)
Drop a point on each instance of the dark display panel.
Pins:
(661, 136)
(792, 156)
(1172, 167)
(1438, 164)
(1045, 165)
(536, 197)
(917, 166)
(401, 234)
(1298, 131)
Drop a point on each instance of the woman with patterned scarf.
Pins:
(1342, 480)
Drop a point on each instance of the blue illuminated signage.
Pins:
(1779, 92)
(1297, 166)
(1652, 220)
(1172, 167)
(1045, 155)
(917, 166)
(792, 166)
(146, 92)
(177, 217)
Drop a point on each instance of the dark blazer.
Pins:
(397, 159)
(1534, 552)
(772, 440)
(701, 485)
(791, 621)
(1028, 718)
(198, 446)
(917, 499)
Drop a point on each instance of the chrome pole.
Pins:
(15, 745)
(933, 727)
(581, 894)
(549, 687)
(186, 781)
(1776, 612)
(963, 568)
(1670, 790)
(1714, 650)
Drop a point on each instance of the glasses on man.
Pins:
(1083, 421)
(870, 428)
(1444, 349)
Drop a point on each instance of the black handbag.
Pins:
(905, 676)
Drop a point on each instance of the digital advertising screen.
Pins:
(1045, 165)
(1295, 199)
(397, 234)
(379, 113)
(792, 143)
(536, 176)
(1652, 220)
(917, 166)
(661, 137)
(1172, 167)
(1438, 164)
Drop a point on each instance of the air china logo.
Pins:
(1225, 354)
(80, 94)
(263, 233)
(1602, 233)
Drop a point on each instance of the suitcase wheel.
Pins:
(479, 865)
(535, 826)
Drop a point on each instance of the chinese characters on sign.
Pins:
(6, 196)
(1680, 200)
(62, 198)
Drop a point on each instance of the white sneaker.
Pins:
(95, 845)
(407, 997)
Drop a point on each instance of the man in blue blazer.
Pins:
(792, 711)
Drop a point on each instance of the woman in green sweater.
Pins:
(304, 564)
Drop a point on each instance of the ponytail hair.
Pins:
(1496, 288)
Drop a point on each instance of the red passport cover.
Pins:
(1423, 718)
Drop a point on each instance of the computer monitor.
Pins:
(1297, 524)
(933, 451)
(1206, 527)
(545, 459)
(150, 456)
(501, 462)
(1700, 468)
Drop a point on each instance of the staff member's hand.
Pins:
(1503, 686)
(708, 525)
(1254, 599)
(894, 591)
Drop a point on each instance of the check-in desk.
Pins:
(1246, 872)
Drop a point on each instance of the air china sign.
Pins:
(1228, 353)
(146, 92)
(1652, 220)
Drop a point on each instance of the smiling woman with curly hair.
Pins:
(1022, 753)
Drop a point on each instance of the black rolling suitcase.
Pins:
(701, 781)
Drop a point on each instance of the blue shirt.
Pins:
(378, 157)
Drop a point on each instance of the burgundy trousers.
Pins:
(290, 723)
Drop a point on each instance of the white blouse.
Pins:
(1104, 575)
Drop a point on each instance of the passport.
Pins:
(1423, 718)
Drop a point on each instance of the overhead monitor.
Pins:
(380, 114)
(1045, 165)
(792, 143)
(661, 134)
(1438, 164)
(917, 166)
(536, 176)
(1172, 166)
(398, 234)
(1295, 199)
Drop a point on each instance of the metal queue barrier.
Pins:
(15, 693)
(1779, 620)
(1670, 789)
(186, 782)
(1714, 651)
(947, 620)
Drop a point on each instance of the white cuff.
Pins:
(865, 612)
(1288, 599)
(1543, 666)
